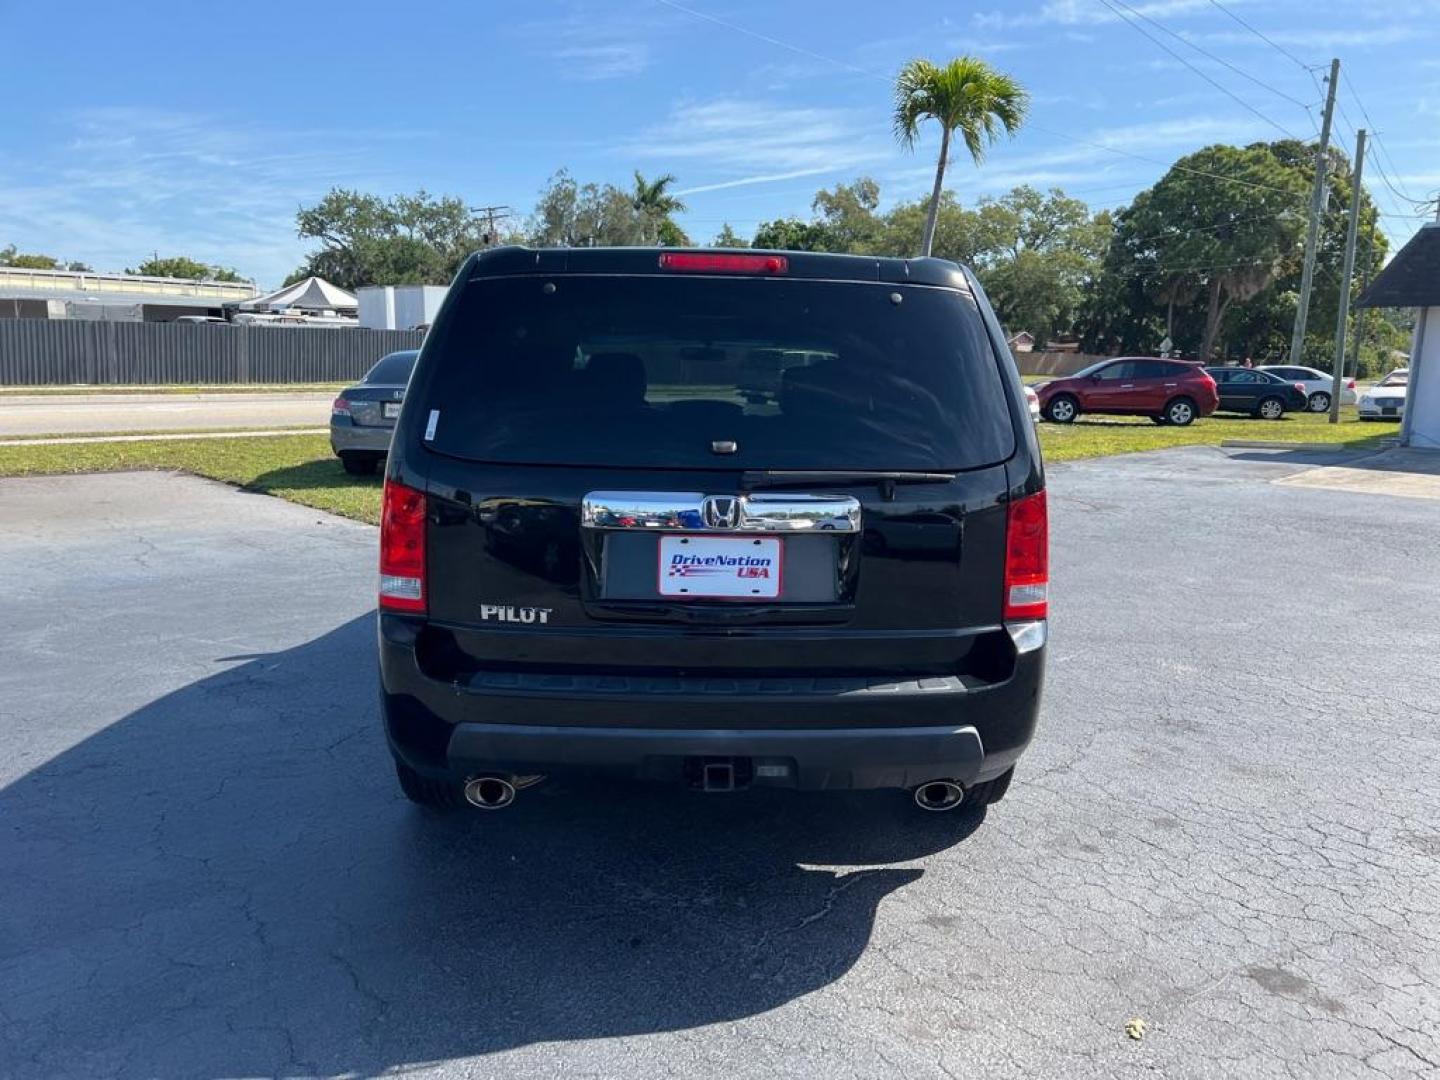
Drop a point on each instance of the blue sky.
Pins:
(198, 129)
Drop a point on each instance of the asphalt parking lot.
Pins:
(1227, 828)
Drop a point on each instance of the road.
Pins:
(1227, 827)
(75, 414)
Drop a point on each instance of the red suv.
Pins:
(1167, 391)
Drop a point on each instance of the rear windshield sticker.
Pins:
(430, 424)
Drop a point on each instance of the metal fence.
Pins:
(43, 352)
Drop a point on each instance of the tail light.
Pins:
(402, 548)
(1301, 387)
(700, 262)
(1027, 558)
(340, 407)
(1350, 385)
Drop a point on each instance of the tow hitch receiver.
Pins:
(718, 773)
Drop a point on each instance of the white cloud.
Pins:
(1340, 37)
(971, 45)
(737, 138)
(1084, 13)
(749, 181)
(120, 183)
(590, 44)
(589, 63)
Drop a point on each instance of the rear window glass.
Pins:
(654, 372)
(392, 370)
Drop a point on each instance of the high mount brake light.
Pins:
(697, 262)
(1027, 558)
(402, 548)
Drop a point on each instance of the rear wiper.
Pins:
(753, 479)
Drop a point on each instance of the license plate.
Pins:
(721, 566)
(391, 410)
(1389, 410)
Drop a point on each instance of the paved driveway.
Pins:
(76, 414)
(1228, 827)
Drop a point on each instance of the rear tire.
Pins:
(991, 791)
(1180, 412)
(357, 463)
(1270, 408)
(1319, 401)
(1062, 409)
(424, 791)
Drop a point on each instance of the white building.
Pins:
(75, 294)
(1412, 279)
(399, 307)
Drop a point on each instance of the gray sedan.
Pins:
(363, 416)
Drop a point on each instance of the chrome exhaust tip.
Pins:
(939, 795)
(489, 792)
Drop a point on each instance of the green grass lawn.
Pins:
(224, 388)
(302, 469)
(295, 467)
(153, 431)
(1098, 436)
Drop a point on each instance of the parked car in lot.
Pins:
(609, 544)
(1317, 383)
(1258, 393)
(1386, 399)
(363, 416)
(1167, 391)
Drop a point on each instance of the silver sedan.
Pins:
(362, 418)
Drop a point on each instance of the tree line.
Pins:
(1208, 258)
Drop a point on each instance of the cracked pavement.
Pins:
(1227, 826)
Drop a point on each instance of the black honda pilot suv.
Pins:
(722, 518)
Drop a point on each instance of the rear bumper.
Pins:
(1377, 412)
(345, 437)
(812, 760)
(805, 733)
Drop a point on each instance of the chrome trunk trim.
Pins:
(693, 511)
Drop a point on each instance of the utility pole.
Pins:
(1356, 191)
(1317, 206)
(1360, 316)
(492, 215)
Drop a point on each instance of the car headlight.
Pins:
(1367, 400)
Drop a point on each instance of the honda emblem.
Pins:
(720, 511)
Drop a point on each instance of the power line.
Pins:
(1031, 126)
(1111, 6)
(1384, 150)
(1218, 59)
(1278, 48)
(1206, 228)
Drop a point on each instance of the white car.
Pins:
(1033, 400)
(1317, 384)
(1386, 399)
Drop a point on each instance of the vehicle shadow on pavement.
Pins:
(227, 882)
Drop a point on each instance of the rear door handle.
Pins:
(1170, 384)
(1127, 386)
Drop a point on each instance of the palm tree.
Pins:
(653, 204)
(966, 95)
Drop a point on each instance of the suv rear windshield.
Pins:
(656, 372)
